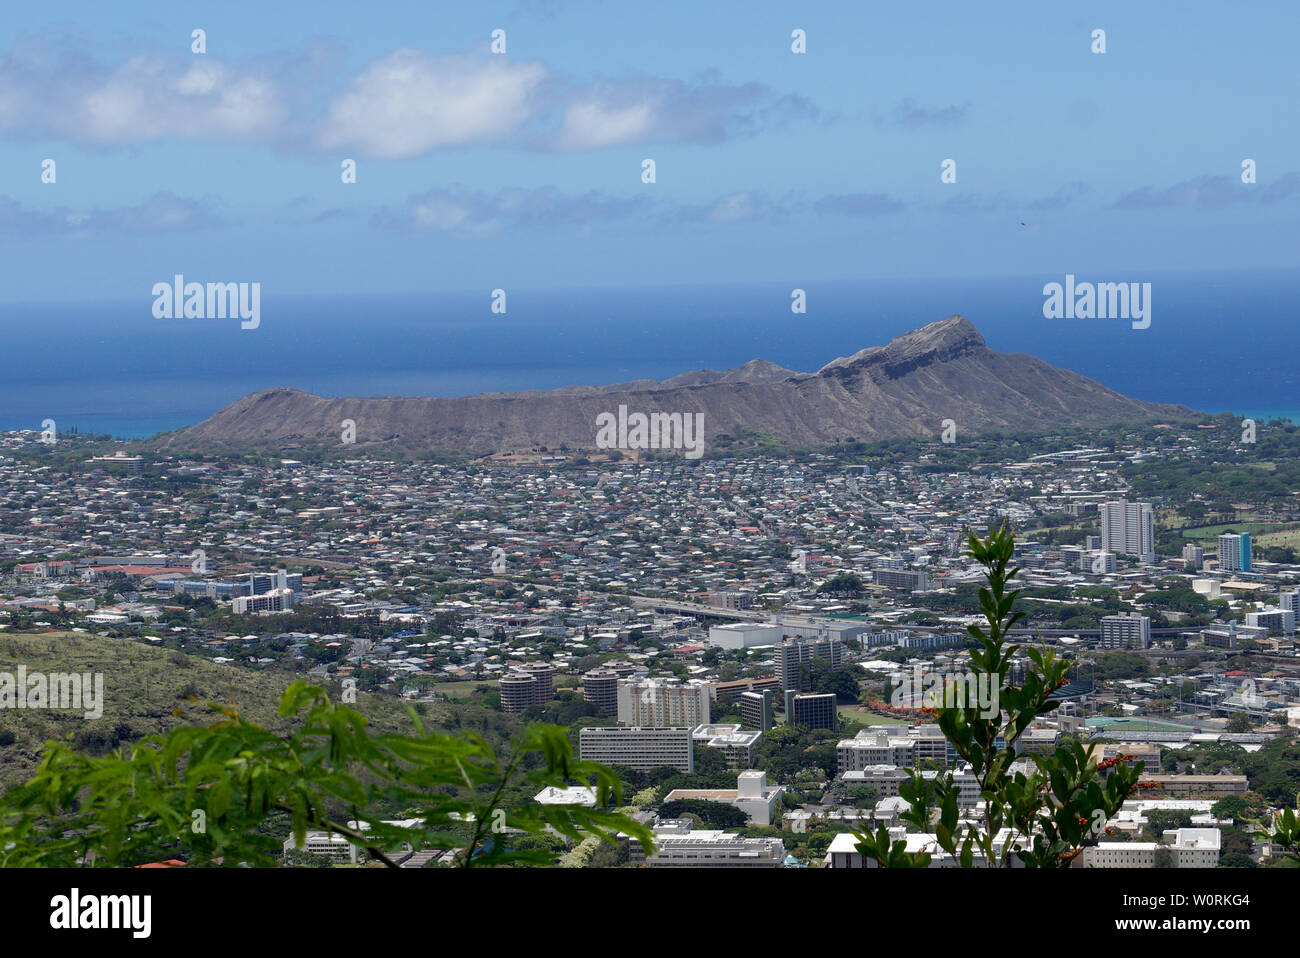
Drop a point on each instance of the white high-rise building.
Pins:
(659, 703)
(1234, 552)
(1125, 631)
(1129, 528)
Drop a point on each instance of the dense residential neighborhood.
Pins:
(763, 635)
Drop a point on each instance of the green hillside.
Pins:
(144, 686)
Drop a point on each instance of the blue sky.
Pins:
(524, 170)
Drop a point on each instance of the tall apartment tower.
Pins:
(795, 652)
(1193, 556)
(1125, 631)
(659, 703)
(1234, 552)
(518, 691)
(1129, 528)
(600, 688)
(544, 673)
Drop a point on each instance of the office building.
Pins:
(910, 580)
(875, 746)
(326, 844)
(734, 744)
(724, 692)
(794, 654)
(1195, 786)
(260, 582)
(1125, 631)
(1128, 528)
(679, 845)
(277, 600)
(1277, 621)
(1098, 563)
(756, 710)
(731, 600)
(638, 748)
(811, 711)
(752, 795)
(1185, 848)
(1221, 637)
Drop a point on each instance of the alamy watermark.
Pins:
(949, 690)
(1098, 301)
(181, 300)
(656, 430)
(57, 690)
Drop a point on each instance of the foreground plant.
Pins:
(204, 793)
(1041, 820)
(1282, 828)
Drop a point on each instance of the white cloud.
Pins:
(161, 213)
(476, 212)
(734, 208)
(593, 124)
(408, 103)
(405, 104)
(143, 100)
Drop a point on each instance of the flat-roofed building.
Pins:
(727, 691)
(638, 748)
(744, 635)
(907, 580)
(1125, 631)
(544, 673)
(1227, 637)
(1128, 528)
(1276, 621)
(326, 844)
(277, 600)
(752, 795)
(1187, 848)
(874, 746)
(794, 659)
(756, 709)
(1196, 786)
(679, 845)
(812, 711)
(662, 703)
(731, 600)
(1234, 552)
(735, 744)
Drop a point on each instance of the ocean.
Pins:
(1217, 342)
